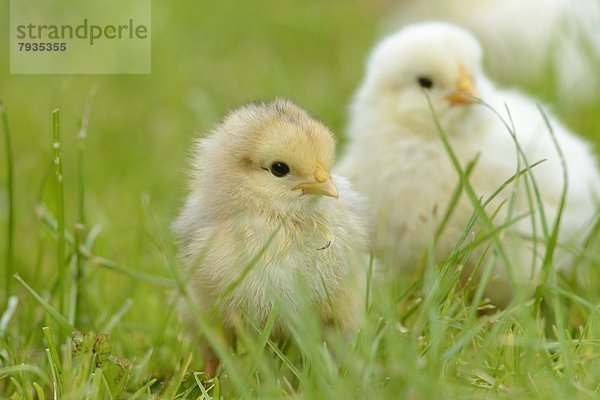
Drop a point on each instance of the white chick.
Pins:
(396, 157)
(522, 38)
(264, 171)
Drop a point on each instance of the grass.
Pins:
(10, 190)
(94, 254)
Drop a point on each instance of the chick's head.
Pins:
(432, 59)
(271, 156)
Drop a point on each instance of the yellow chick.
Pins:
(261, 186)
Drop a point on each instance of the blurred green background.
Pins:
(207, 58)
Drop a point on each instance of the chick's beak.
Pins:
(323, 185)
(465, 89)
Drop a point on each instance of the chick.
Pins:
(261, 186)
(396, 158)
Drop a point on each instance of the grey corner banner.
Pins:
(82, 37)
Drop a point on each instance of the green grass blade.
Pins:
(39, 391)
(171, 391)
(248, 267)
(264, 336)
(485, 220)
(553, 238)
(112, 266)
(116, 318)
(66, 327)
(52, 347)
(454, 200)
(369, 282)
(18, 387)
(256, 346)
(547, 265)
(60, 214)
(56, 392)
(10, 191)
(15, 369)
(7, 315)
(142, 390)
(203, 390)
(80, 224)
(288, 363)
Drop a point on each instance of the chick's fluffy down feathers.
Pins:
(236, 206)
(392, 132)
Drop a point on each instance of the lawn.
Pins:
(114, 271)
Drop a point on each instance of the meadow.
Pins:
(93, 267)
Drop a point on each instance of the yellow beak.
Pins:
(465, 89)
(323, 186)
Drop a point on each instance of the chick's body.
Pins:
(263, 218)
(320, 252)
(392, 131)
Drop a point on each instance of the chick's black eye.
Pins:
(425, 82)
(279, 169)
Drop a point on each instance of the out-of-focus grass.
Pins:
(209, 57)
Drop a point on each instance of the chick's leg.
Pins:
(209, 356)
